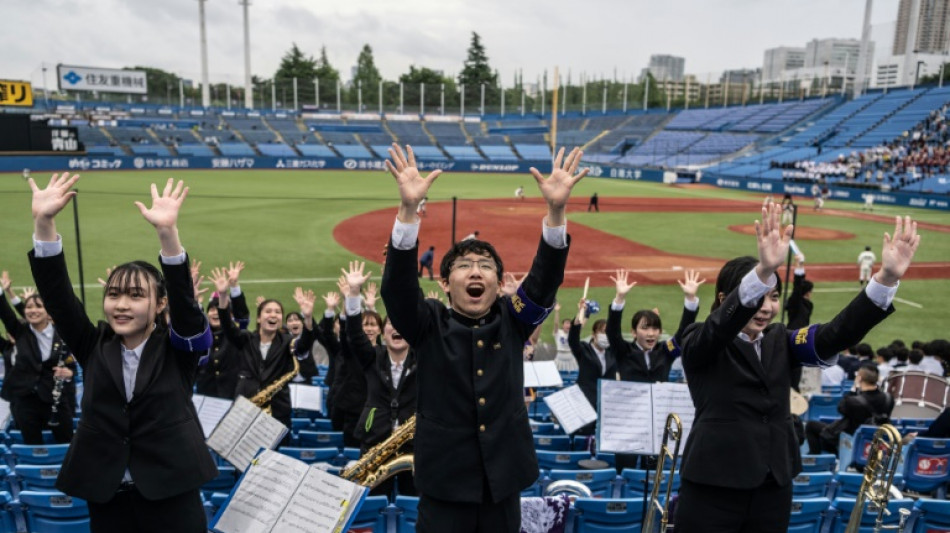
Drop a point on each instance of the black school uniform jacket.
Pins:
(798, 307)
(349, 384)
(471, 421)
(588, 364)
(385, 404)
(743, 426)
(218, 373)
(156, 435)
(630, 359)
(257, 372)
(29, 374)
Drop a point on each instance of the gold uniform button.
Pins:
(481, 428)
(480, 372)
(481, 401)
(480, 343)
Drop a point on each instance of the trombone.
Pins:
(884, 455)
(673, 431)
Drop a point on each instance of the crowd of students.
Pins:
(138, 456)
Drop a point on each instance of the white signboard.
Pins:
(105, 80)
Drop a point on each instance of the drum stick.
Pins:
(586, 286)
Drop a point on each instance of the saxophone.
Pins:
(381, 462)
(263, 398)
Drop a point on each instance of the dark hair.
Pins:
(915, 357)
(652, 319)
(868, 248)
(901, 353)
(293, 313)
(864, 350)
(898, 343)
(869, 374)
(128, 276)
(731, 274)
(885, 353)
(32, 298)
(917, 345)
(939, 348)
(598, 324)
(376, 317)
(469, 246)
(261, 308)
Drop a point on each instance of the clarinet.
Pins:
(57, 386)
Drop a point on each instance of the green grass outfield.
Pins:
(281, 224)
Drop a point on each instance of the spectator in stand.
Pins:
(913, 361)
(595, 359)
(425, 261)
(939, 356)
(564, 358)
(884, 358)
(866, 405)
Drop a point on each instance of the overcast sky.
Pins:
(593, 36)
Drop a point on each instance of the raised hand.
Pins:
(259, 300)
(27, 293)
(412, 186)
(772, 241)
(196, 286)
(623, 286)
(690, 284)
(305, 300)
(109, 270)
(48, 202)
(234, 272)
(369, 295)
(556, 189)
(434, 295)
(219, 277)
(510, 284)
(581, 317)
(165, 206)
(355, 277)
(195, 269)
(332, 299)
(898, 251)
(343, 285)
(5, 282)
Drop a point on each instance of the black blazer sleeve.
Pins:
(68, 312)
(705, 341)
(187, 318)
(8, 317)
(621, 347)
(849, 326)
(687, 318)
(402, 295)
(240, 311)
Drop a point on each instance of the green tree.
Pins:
(367, 76)
(433, 81)
(160, 83)
(476, 71)
(935, 78)
(329, 77)
(295, 64)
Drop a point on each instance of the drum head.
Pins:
(798, 404)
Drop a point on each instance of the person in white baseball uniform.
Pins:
(866, 261)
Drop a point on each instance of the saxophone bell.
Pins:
(382, 461)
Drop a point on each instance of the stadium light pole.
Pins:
(481, 109)
(316, 93)
(338, 96)
(273, 94)
(501, 87)
(646, 89)
(603, 106)
(442, 99)
(380, 98)
(401, 109)
(858, 85)
(248, 89)
(359, 96)
(564, 94)
(422, 99)
(295, 93)
(462, 99)
(625, 98)
(205, 90)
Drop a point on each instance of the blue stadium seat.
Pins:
(407, 509)
(811, 484)
(841, 512)
(51, 454)
(347, 455)
(297, 424)
(372, 515)
(320, 439)
(6, 479)
(542, 428)
(16, 437)
(933, 516)
(311, 455)
(7, 519)
(224, 482)
(632, 480)
(600, 482)
(847, 484)
(823, 405)
(807, 515)
(824, 462)
(926, 468)
(54, 512)
(607, 515)
(322, 424)
(854, 448)
(37, 477)
(549, 460)
(552, 442)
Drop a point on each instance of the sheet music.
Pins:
(210, 411)
(262, 495)
(626, 417)
(322, 502)
(542, 374)
(4, 414)
(306, 397)
(671, 398)
(265, 432)
(571, 408)
(811, 381)
(234, 424)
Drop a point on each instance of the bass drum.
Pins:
(917, 394)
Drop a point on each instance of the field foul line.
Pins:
(845, 289)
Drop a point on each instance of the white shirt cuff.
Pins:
(175, 259)
(353, 305)
(752, 289)
(556, 237)
(614, 306)
(799, 271)
(405, 235)
(329, 313)
(691, 305)
(15, 301)
(46, 248)
(881, 295)
(235, 291)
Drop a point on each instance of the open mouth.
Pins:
(761, 321)
(397, 337)
(122, 319)
(475, 290)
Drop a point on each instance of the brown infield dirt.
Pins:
(514, 228)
